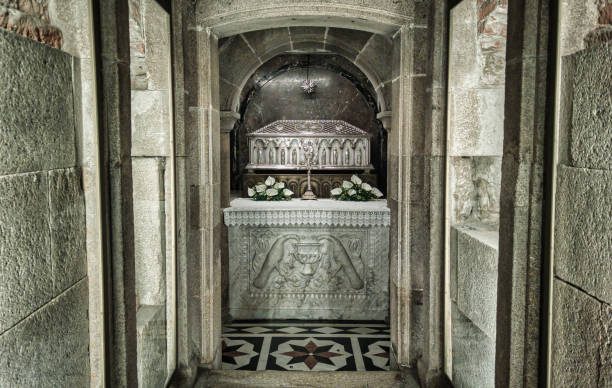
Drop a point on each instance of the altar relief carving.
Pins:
(308, 259)
(315, 265)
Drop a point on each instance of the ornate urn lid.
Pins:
(309, 128)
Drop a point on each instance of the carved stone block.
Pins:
(308, 260)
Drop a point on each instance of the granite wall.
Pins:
(582, 296)
(153, 192)
(476, 110)
(44, 338)
(30, 18)
(475, 142)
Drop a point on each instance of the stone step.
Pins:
(294, 379)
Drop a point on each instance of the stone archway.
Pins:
(370, 53)
(202, 172)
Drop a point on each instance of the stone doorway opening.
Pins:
(317, 316)
(217, 97)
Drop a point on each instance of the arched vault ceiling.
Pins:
(241, 55)
(230, 17)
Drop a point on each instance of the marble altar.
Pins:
(322, 259)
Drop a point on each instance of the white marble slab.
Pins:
(298, 259)
(245, 211)
(298, 204)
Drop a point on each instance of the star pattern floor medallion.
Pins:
(311, 354)
(306, 346)
(378, 352)
(236, 353)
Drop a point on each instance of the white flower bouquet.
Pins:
(270, 190)
(355, 190)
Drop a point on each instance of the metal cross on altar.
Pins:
(309, 155)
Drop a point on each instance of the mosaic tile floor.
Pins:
(302, 346)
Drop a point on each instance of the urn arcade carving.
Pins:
(348, 146)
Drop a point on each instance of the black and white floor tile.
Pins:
(303, 346)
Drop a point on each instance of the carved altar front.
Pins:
(320, 259)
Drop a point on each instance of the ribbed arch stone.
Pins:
(241, 55)
(230, 17)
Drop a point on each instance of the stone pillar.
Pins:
(203, 181)
(518, 291)
(433, 192)
(398, 193)
(116, 186)
(228, 119)
(386, 118)
(198, 197)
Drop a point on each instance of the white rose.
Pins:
(270, 181)
(336, 191)
(260, 188)
(355, 179)
(366, 187)
(287, 193)
(377, 192)
(251, 192)
(271, 192)
(347, 184)
(279, 185)
(352, 192)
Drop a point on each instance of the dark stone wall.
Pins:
(274, 93)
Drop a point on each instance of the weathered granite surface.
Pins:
(580, 339)
(149, 230)
(473, 353)
(152, 352)
(476, 281)
(36, 106)
(67, 226)
(25, 266)
(270, 378)
(50, 347)
(583, 231)
(320, 259)
(150, 126)
(590, 137)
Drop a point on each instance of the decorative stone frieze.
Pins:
(327, 212)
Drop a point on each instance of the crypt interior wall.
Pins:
(273, 93)
(582, 206)
(152, 157)
(582, 229)
(475, 148)
(43, 263)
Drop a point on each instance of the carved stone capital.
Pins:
(385, 119)
(228, 119)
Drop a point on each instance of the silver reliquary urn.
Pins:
(281, 146)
